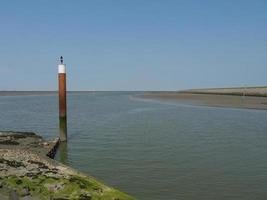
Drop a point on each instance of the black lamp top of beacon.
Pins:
(61, 59)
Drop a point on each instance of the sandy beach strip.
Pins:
(238, 91)
(213, 100)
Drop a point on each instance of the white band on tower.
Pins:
(62, 69)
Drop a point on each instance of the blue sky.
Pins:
(133, 44)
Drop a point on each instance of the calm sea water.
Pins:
(153, 150)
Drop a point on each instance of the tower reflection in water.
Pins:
(62, 153)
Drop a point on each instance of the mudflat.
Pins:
(238, 91)
(209, 99)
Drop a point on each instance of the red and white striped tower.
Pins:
(62, 100)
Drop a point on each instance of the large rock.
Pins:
(27, 173)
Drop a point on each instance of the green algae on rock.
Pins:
(30, 173)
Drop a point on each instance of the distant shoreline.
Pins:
(214, 98)
(26, 93)
(237, 91)
(34, 93)
(244, 91)
(248, 98)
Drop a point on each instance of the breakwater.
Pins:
(28, 172)
(53, 150)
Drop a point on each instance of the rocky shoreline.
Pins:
(27, 172)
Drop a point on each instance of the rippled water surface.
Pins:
(153, 150)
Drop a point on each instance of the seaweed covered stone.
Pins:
(27, 173)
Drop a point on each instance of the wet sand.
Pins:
(213, 100)
(244, 91)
